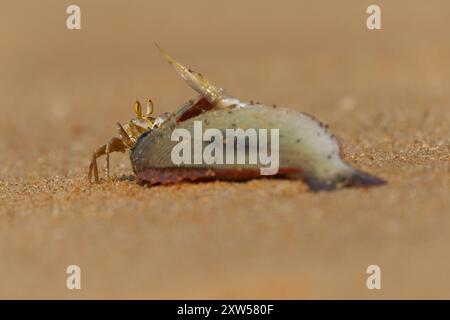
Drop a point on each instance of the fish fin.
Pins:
(194, 79)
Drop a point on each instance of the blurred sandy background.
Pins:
(384, 93)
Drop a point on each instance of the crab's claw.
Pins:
(195, 80)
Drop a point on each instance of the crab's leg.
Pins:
(124, 135)
(114, 145)
(93, 165)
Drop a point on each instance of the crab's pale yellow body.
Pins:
(129, 132)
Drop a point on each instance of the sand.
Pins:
(385, 93)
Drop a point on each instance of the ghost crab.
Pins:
(129, 132)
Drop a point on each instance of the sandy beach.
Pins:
(384, 93)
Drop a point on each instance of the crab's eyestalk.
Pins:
(195, 80)
(150, 108)
(138, 109)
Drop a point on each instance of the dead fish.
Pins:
(307, 150)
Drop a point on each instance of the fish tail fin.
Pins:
(362, 179)
(194, 79)
(356, 178)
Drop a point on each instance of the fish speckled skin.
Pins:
(307, 150)
(304, 144)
